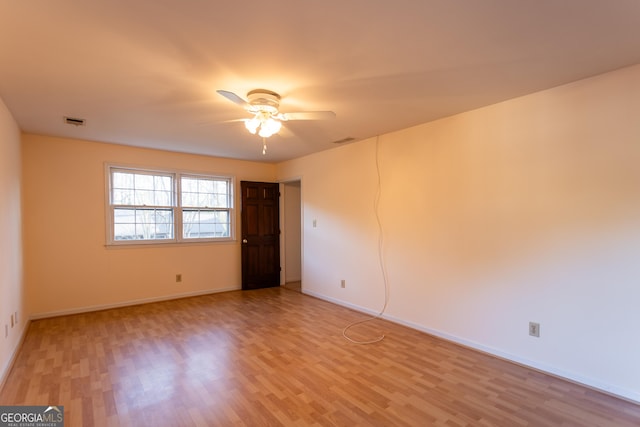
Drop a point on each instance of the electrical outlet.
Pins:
(343, 283)
(315, 223)
(178, 278)
(534, 329)
(12, 320)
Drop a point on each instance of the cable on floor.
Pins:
(381, 260)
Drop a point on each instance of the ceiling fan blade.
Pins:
(307, 115)
(235, 99)
(234, 120)
(285, 132)
(214, 122)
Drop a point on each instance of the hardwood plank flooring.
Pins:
(293, 286)
(274, 357)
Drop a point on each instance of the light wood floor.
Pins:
(275, 357)
(294, 286)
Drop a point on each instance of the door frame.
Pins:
(283, 227)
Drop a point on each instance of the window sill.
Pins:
(172, 244)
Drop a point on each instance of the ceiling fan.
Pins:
(267, 120)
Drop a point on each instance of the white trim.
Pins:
(283, 234)
(622, 393)
(282, 182)
(7, 368)
(129, 303)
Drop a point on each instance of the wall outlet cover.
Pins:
(534, 329)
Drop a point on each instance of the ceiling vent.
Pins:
(74, 121)
(343, 140)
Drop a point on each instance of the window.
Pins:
(206, 206)
(167, 207)
(142, 205)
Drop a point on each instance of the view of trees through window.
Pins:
(153, 206)
(205, 203)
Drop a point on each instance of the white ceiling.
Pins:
(145, 72)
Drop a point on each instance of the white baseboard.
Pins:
(7, 368)
(630, 395)
(128, 303)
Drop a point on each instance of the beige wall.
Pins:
(527, 210)
(12, 298)
(67, 266)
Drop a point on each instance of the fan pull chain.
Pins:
(264, 146)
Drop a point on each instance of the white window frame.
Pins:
(176, 206)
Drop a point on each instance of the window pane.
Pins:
(163, 198)
(141, 189)
(143, 197)
(124, 231)
(222, 201)
(142, 224)
(208, 216)
(221, 186)
(122, 180)
(205, 224)
(124, 216)
(205, 192)
(143, 182)
(190, 224)
(190, 231)
(189, 199)
(163, 224)
(122, 197)
(162, 183)
(189, 185)
(205, 186)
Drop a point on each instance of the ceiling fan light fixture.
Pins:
(252, 124)
(268, 109)
(263, 124)
(264, 100)
(267, 120)
(269, 127)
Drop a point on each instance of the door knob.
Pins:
(244, 240)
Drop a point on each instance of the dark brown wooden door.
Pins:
(260, 234)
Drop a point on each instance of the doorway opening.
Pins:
(291, 241)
